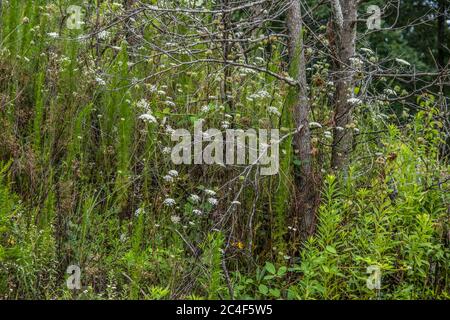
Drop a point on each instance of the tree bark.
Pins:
(226, 88)
(444, 149)
(441, 26)
(345, 13)
(299, 101)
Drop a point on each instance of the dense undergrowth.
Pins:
(85, 181)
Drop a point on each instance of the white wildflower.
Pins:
(213, 201)
(175, 219)
(354, 101)
(169, 202)
(169, 130)
(168, 178)
(53, 35)
(103, 35)
(166, 150)
(146, 117)
(194, 198)
(274, 111)
(170, 103)
(263, 94)
(197, 212)
(100, 81)
(138, 212)
(356, 62)
(210, 192)
(143, 104)
(225, 124)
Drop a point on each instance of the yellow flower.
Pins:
(239, 245)
(11, 242)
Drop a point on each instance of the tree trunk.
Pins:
(441, 26)
(345, 15)
(441, 45)
(298, 100)
(226, 87)
(130, 34)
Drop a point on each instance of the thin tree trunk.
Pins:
(299, 101)
(441, 43)
(226, 87)
(345, 14)
(441, 26)
(129, 33)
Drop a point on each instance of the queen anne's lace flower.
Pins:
(103, 35)
(169, 202)
(168, 178)
(146, 117)
(139, 211)
(210, 192)
(143, 105)
(100, 81)
(354, 101)
(225, 124)
(194, 198)
(53, 35)
(274, 111)
(169, 129)
(213, 201)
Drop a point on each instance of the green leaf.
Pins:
(331, 249)
(263, 289)
(282, 271)
(275, 293)
(270, 268)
